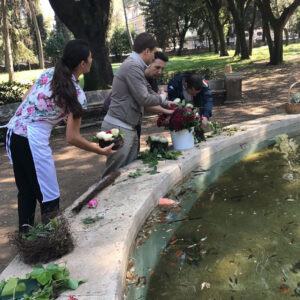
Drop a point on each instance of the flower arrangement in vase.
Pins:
(183, 123)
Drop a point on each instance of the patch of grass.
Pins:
(192, 62)
(23, 76)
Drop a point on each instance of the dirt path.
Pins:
(264, 94)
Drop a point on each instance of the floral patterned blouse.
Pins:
(38, 107)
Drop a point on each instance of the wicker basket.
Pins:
(292, 108)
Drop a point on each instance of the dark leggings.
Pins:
(28, 186)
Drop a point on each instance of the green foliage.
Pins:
(119, 42)
(215, 127)
(295, 98)
(152, 158)
(11, 92)
(40, 230)
(136, 174)
(91, 220)
(54, 45)
(140, 172)
(41, 284)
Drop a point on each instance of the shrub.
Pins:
(11, 92)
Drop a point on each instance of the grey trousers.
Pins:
(124, 155)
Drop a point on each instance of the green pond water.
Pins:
(237, 239)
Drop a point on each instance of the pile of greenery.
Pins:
(152, 157)
(41, 284)
(11, 92)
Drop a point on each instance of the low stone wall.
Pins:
(95, 100)
(101, 253)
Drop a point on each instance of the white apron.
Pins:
(38, 134)
(38, 138)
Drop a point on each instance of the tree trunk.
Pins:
(8, 52)
(277, 53)
(223, 48)
(237, 46)
(127, 26)
(181, 43)
(209, 44)
(238, 17)
(216, 44)
(214, 7)
(251, 30)
(38, 35)
(275, 47)
(91, 24)
(286, 33)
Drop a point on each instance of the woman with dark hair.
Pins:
(54, 96)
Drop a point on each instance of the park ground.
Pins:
(265, 90)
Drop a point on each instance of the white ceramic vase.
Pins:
(183, 139)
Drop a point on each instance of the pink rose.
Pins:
(49, 105)
(19, 112)
(93, 203)
(30, 110)
(41, 95)
(44, 79)
(24, 127)
(41, 105)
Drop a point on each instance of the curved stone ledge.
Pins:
(102, 250)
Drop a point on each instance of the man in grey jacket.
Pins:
(131, 92)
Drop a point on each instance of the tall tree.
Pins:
(38, 35)
(238, 9)
(251, 27)
(160, 21)
(89, 20)
(8, 52)
(186, 16)
(215, 7)
(277, 24)
(127, 26)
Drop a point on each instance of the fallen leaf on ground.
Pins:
(178, 253)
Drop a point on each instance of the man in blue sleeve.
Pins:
(194, 89)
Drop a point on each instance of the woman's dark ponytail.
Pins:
(62, 85)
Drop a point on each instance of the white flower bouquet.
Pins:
(157, 142)
(111, 136)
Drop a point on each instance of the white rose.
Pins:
(177, 100)
(189, 105)
(115, 132)
(154, 138)
(108, 137)
(163, 140)
(100, 135)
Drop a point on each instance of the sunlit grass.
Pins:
(191, 62)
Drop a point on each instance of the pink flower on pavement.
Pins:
(41, 95)
(41, 105)
(72, 298)
(93, 203)
(44, 79)
(19, 112)
(30, 110)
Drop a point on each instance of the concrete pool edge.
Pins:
(102, 250)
